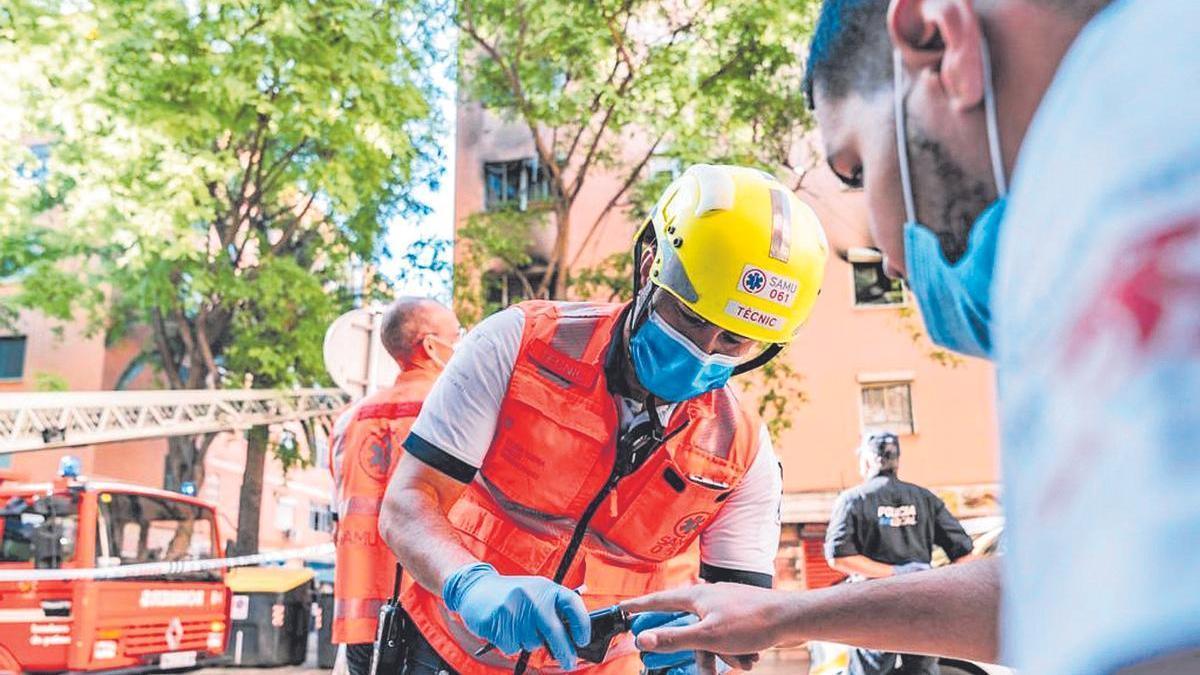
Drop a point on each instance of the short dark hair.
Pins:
(850, 49)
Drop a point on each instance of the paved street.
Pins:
(782, 662)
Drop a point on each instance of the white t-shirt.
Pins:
(459, 418)
(1097, 309)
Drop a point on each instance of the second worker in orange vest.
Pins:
(584, 446)
(420, 335)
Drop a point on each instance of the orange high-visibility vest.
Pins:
(551, 462)
(364, 455)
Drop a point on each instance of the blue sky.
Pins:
(440, 221)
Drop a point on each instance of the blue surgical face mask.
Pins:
(955, 298)
(672, 368)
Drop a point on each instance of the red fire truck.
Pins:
(173, 614)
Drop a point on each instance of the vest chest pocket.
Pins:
(660, 513)
(547, 443)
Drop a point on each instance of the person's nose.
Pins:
(707, 339)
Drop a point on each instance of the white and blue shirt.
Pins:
(1097, 326)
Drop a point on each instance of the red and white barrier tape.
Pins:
(163, 568)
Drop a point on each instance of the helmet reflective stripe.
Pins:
(781, 226)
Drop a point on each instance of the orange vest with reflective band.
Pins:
(364, 456)
(552, 457)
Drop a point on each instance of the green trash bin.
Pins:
(269, 615)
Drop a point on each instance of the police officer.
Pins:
(886, 527)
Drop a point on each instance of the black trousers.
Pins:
(358, 658)
(871, 662)
(422, 659)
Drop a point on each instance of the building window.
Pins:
(12, 357)
(320, 518)
(285, 516)
(887, 407)
(515, 184)
(508, 287)
(873, 288)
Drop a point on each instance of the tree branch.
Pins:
(189, 346)
(292, 226)
(514, 81)
(210, 363)
(612, 203)
(595, 105)
(277, 168)
(619, 41)
(252, 160)
(164, 349)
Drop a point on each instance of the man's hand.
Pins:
(683, 662)
(518, 613)
(951, 611)
(733, 619)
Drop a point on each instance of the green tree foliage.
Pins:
(613, 84)
(611, 87)
(210, 171)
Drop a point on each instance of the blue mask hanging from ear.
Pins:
(955, 298)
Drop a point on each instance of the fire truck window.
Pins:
(41, 532)
(17, 542)
(145, 529)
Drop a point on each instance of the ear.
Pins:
(429, 347)
(942, 38)
(646, 263)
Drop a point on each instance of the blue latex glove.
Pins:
(910, 567)
(517, 613)
(674, 663)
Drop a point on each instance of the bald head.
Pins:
(413, 328)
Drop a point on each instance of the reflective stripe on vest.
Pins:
(389, 411)
(357, 608)
(551, 455)
(360, 506)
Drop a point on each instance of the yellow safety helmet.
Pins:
(738, 248)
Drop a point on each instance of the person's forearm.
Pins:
(862, 566)
(951, 611)
(414, 526)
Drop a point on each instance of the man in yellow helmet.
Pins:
(584, 446)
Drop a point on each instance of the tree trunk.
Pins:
(250, 500)
(558, 288)
(184, 462)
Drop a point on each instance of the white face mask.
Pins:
(432, 352)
